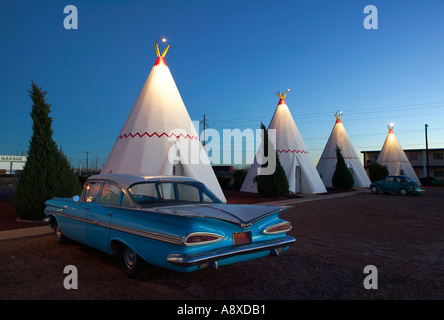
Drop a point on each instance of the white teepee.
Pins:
(327, 163)
(394, 158)
(158, 137)
(298, 166)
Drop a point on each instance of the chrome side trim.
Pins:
(137, 232)
(59, 213)
(147, 234)
(241, 222)
(218, 238)
(184, 260)
(267, 230)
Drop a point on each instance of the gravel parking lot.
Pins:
(403, 237)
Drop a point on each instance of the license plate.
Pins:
(241, 238)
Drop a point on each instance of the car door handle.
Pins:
(109, 214)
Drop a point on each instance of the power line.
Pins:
(349, 112)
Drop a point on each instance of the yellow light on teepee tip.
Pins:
(156, 47)
(338, 115)
(391, 126)
(163, 39)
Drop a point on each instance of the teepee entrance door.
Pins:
(178, 169)
(298, 180)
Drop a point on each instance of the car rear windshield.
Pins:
(171, 193)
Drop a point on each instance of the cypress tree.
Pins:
(342, 178)
(47, 172)
(378, 172)
(274, 185)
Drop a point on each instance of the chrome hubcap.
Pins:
(58, 233)
(130, 258)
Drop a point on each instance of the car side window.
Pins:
(206, 198)
(167, 191)
(389, 179)
(397, 180)
(110, 194)
(188, 192)
(92, 191)
(125, 201)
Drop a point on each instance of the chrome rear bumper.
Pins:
(185, 260)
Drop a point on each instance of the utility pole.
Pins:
(205, 125)
(87, 153)
(427, 153)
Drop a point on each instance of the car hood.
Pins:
(241, 214)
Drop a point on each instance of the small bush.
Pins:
(342, 178)
(223, 182)
(274, 185)
(239, 177)
(377, 172)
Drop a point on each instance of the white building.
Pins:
(12, 164)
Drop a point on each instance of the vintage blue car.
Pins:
(403, 185)
(171, 222)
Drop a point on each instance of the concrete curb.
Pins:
(25, 232)
(314, 197)
(45, 230)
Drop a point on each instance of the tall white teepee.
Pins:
(298, 166)
(158, 137)
(327, 163)
(394, 158)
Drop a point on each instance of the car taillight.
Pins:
(278, 228)
(199, 238)
(241, 238)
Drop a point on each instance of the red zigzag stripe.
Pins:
(332, 158)
(292, 151)
(130, 135)
(389, 161)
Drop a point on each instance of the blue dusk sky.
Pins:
(228, 59)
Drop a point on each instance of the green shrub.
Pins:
(47, 172)
(377, 172)
(223, 182)
(342, 177)
(274, 185)
(239, 177)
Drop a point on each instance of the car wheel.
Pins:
(130, 262)
(403, 192)
(58, 235)
(374, 189)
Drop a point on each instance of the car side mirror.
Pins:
(76, 198)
